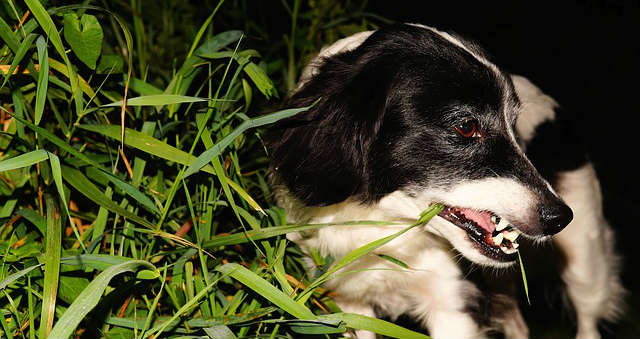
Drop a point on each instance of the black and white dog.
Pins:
(409, 116)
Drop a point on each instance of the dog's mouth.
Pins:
(494, 236)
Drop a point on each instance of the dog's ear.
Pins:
(321, 154)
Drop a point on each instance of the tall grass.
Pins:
(134, 199)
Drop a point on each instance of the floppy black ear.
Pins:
(321, 155)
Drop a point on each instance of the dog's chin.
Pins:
(470, 245)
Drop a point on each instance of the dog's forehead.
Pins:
(443, 66)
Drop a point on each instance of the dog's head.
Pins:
(416, 110)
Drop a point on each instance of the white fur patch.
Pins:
(342, 45)
(433, 289)
(504, 196)
(536, 107)
(592, 270)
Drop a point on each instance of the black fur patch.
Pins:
(386, 118)
(557, 146)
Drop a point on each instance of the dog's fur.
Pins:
(381, 145)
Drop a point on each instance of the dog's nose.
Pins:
(555, 217)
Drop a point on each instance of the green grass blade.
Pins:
(22, 51)
(129, 190)
(425, 216)
(24, 160)
(524, 278)
(34, 218)
(146, 144)
(379, 326)
(90, 296)
(43, 78)
(96, 261)
(50, 29)
(57, 141)
(56, 172)
(265, 289)
(156, 331)
(47, 25)
(78, 181)
(15, 276)
(218, 148)
(7, 36)
(270, 232)
(142, 87)
(219, 331)
(52, 255)
(202, 29)
(261, 80)
(156, 100)
(242, 193)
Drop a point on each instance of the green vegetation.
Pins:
(153, 218)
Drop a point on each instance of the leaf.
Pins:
(255, 73)
(110, 63)
(198, 322)
(34, 218)
(47, 24)
(45, 21)
(96, 261)
(24, 160)
(208, 155)
(350, 257)
(90, 296)
(15, 276)
(22, 50)
(245, 196)
(379, 326)
(393, 260)
(219, 332)
(186, 307)
(269, 232)
(43, 78)
(84, 85)
(524, 278)
(56, 172)
(261, 80)
(142, 87)
(128, 189)
(265, 289)
(146, 144)
(78, 181)
(315, 327)
(7, 208)
(84, 36)
(51, 266)
(157, 99)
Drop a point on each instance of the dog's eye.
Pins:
(468, 129)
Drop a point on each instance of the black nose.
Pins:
(555, 217)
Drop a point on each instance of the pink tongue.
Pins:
(483, 219)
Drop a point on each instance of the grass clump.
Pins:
(133, 195)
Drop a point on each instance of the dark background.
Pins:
(584, 55)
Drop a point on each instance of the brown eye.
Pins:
(468, 129)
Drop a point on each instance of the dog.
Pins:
(407, 116)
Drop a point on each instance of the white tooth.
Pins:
(502, 224)
(515, 245)
(511, 236)
(493, 219)
(507, 250)
(498, 239)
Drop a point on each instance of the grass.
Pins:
(134, 199)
